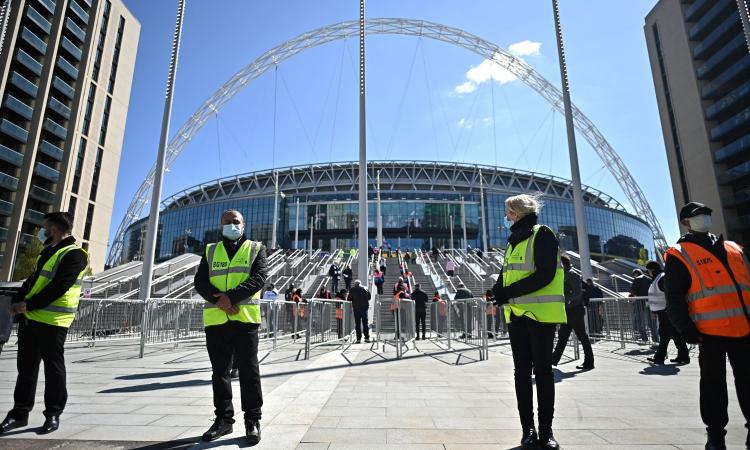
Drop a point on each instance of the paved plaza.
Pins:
(356, 398)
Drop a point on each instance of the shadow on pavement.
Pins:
(195, 443)
(663, 370)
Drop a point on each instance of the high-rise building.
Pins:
(701, 69)
(66, 68)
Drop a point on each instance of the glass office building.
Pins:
(423, 204)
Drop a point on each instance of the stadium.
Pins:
(424, 204)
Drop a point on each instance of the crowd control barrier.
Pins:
(627, 320)
(462, 325)
(394, 324)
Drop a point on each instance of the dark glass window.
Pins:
(97, 171)
(105, 120)
(79, 165)
(89, 109)
(89, 219)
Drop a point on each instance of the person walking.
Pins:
(46, 305)
(335, 273)
(271, 295)
(450, 267)
(383, 267)
(576, 314)
(420, 309)
(230, 278)
(379, 280)
(360, 298)
(639, 288)
(339, 312)
(704, 278)
(347, 275)
(657, 303)
(531, 286)
(462, 309)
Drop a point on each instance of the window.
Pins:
(89, 109)
(89, 219)
(72, 205)
(105, 120)
(100, 45)
(116, 55)
(79, 165)
(97, 170)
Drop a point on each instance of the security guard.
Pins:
(47, 304)
(707, 286)
(531, 286)
(230, 278)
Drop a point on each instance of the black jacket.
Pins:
(70, 267)
(546, 248)
(573, 290)
(347, 274)
(463, 293)
(420, 299)
(258, 275)
(334, 272)
(640, 286)
(677, 281)
(360, 298)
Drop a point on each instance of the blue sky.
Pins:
(426, 99)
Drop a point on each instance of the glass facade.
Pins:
(416, 218)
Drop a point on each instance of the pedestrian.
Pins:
(335, 273)
(657, 302)
(271, 295)
(462, 310)
(324, 293)
(703, 276)
(531, 322)
(576, 314)
(436, 297)
(341, 296)
(399, 286)
(360, 298)
(420, 309)
(347, 275)
(352, 252)
(44, 307)
(639, 288)
(491, 312)
(592, 291)
(230, 278)
(298, 311)
(379, 280)
(450, 267)
(289, 293)
(383, 267)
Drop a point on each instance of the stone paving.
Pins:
(360, 399)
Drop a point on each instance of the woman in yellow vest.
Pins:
(48, 301)
(531, 289)
(230, 278)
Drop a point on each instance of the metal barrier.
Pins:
(461, 324)
(328, 321)
(627, 320)
(394, 324)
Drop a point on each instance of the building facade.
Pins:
(66, 69)
(701, 70)
(423, 204)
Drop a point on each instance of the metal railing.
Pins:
(622, 319)
(461, 325)
(394, 324)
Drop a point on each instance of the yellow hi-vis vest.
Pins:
(225, 275)
(545, 305)
(62, 310)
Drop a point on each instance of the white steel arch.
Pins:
(393, 26)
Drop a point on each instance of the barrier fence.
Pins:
(627, 320)
(394, 323)
(461, 325)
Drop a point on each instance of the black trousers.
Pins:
(241, 341)
(714, 399)
(531, 343)
(421, 316)
(360, 323)
(667, 332)
(40, 342)
(576, 324)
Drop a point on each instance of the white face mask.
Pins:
(232, 231)
(701, 223)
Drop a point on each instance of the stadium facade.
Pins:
(419, 200)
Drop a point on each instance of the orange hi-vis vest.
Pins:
(717, 291)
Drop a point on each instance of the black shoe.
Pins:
(716, 443)
(367, 340)
(586, 366)
(548, 442)
(555, 362)
(51, 424)
(680, 360)
(218, 429)
(252, 431)
(234, 373)
(656, 362)
(11, 424)
(424, 338)
(529, 439)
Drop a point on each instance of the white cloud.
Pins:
(525, 48)
(488, 70)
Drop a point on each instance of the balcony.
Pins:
(6, 208)
(14, 131)
(34, 40)
(43, 195)
(19, 107)
(55, 128)
(38, 19)
(720, 131)
(47, 172)
(718, 11)
(10, 156)
(717, 36)
(49, 5)
(34, 216)
(697, 8)
(3, 234)
(71, 48)
(23, 84)
(67, 67)
(64, 88)
(50, 150)
(30, 63)
(75, 29)
(59, 107)
(8, 182)
(728, 51)
(735, 148)
(735, 173)
(76, 8)
(729, 101)
(719, 85)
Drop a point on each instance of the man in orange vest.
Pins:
(707, 287)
